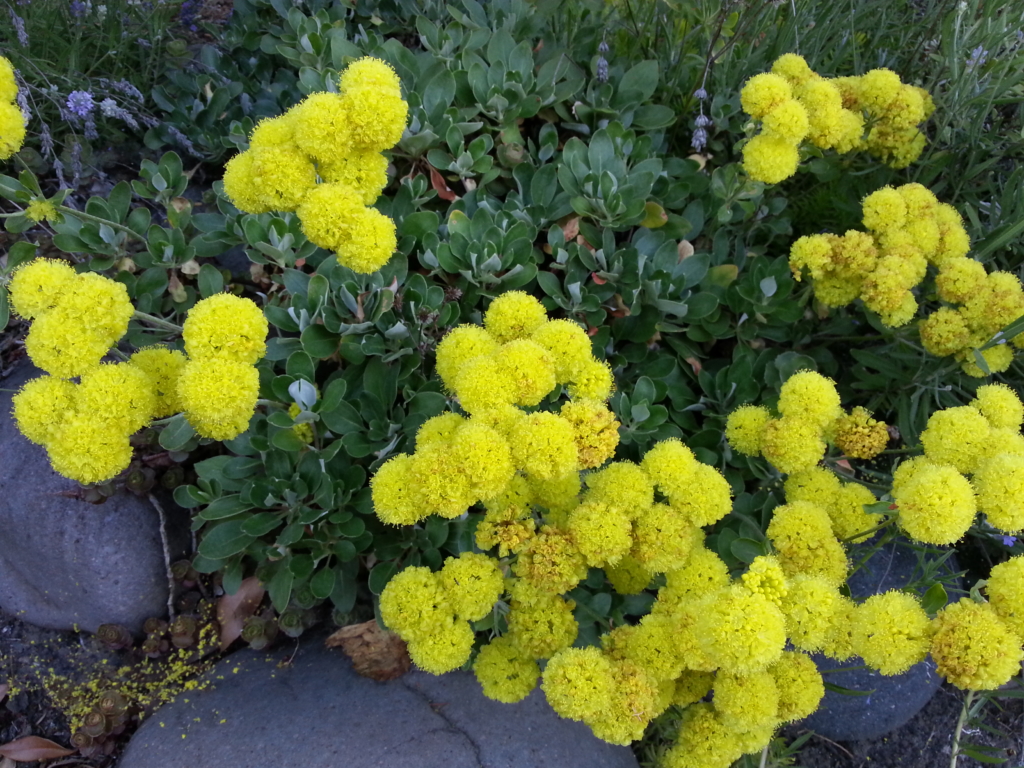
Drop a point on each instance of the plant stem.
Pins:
(98, 220)
(157, 321)
(961, 721)
(879, 527)
(764, 756)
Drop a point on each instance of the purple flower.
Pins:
(602, 69)
(80, 103)
(79, 8)
(700, 93)
(1009, 541)
(19, 28)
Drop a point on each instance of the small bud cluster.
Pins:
(12, 120)
(85, 426)
(795, 104)
(908, 229)
(322, 159)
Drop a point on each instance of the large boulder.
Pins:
(884, 703)
(66, 563)
(311, 710)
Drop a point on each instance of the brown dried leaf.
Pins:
(190, 267)
(375, 652)
(233, 610)
(32, 748)
(570, 227)
(440, 186)
(694, 364)
(685, 249)
(8, 763)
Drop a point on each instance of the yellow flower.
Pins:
(458, 347)
(955, 436)
(770, 159)
(601, 533)
(369, 242)
(38, 210)
(63, 347)
(628, 576)
(444, 648)
(321, 124)
(846, 511)
(763, 92)
(1005, 587)
(482, 384)
(327, 214)
(37, 286)
(704, 741)
(240, 185)
(741, 631)
(578, 683)
(623, 486)
(551, 561)
(799, 684)
(414, 602)
(702, 574)
(788, 121)
(365, 171)
(936, 504)
(88, 449)
(810, 606)
(997, 359)
(810, 396)
(274, 131)
(634, 702)
(596, 430)
(529, 368)
(592, 380)
(999, 483)
(670, 465)
(794, 68)
(568, 345)
(663, 538)
(473, 583)
(544, 446)
(372, 98)
(514, 315)
(707, 498)
(884, 210)
(507, 528)
(649, 644)
(8, 83)
(283, 176)
(12, 130)
(121, 392)
(744, 428)
(438, 429)
(692, 686)
(999, 405)
(860, 436)
(540, 623)
(878, 89)
(219, 396)
(973, 648)
(945, 332)
(438, 474)
(41, 407)
(959, 279)
(891, 632)
(813, 252)
(801, 533)
(505, 673)
(396, 498)
(225, 327)
(792, 444)
(163, 367)
(765, 576)
(746, 702)
(484, 457)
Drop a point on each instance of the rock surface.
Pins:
(66, 563)
(889, 702)
(315, 712)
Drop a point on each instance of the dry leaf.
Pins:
(233, 610)
(570, 227)
(685, 249)
(175, 288)
(694, 364)
(32, 748)
(8, 763)
(440, 186)
(375, 652)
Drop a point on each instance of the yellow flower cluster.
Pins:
(981, 441)
(810, 415)
(908, 229)
(85, 427)
(12, 121)
(987, 302)
(795, 104)
(322, 159)
(432, 611)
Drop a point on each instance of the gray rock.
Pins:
(66, 563)
(888, 703)
(317, 713)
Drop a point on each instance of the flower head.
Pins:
(219, 396)
(225, 327)
(973, 648)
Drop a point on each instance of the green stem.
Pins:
(960, 723)
(98, 220)
(161, 422)
(157, 321)
(898, 451)
(764, 756)
(877, 528)
(271, 403)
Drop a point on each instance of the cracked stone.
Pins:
(315, 712)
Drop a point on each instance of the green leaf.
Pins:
(638, 84)
(262, 523)
(225, 506)
(280, 586)
(746, 550)
(287, 440)
(975, 752)
(318, 342)
(419, 224)
(934, 599)
(225, 539)
(878, 508)
(381, 575)
(211, 282)
(847, 691)
(176, 434)
(789, 363)
(322, 583)
(5, 310)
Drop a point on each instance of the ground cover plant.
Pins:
(584, 350)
